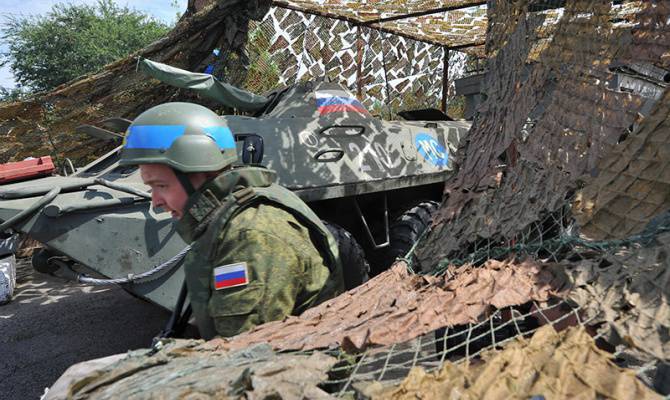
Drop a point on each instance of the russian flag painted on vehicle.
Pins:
(329, 101)
(230, 275)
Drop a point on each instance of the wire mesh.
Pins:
(553, 240)
(390, 72)
(462, 344)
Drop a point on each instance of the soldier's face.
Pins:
(166, 190)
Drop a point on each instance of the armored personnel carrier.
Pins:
(375, 182)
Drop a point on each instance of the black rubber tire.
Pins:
(40, 262)
(355, 267)
(405, 230)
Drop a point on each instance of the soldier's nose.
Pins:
(156, 201)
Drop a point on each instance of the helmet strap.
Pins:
(185, 182)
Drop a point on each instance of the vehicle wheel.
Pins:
(40, 262)
(355, 267)
(405, 230)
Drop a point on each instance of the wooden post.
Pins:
(445, 79)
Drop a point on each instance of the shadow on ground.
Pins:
(51, 324)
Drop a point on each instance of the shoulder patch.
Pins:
(231, 275)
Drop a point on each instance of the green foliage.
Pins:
(263, 74)
(178, 12)
(456, 107)
(73, 40)
(11, 94)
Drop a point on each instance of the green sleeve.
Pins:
(275, 272)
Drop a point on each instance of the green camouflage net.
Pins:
(388, 72)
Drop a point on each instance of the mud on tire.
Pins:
(405, 230)
(355, 267)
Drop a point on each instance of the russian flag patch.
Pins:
(231, 275)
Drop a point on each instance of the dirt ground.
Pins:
(51, 324)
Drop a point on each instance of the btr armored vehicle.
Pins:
(375, 182)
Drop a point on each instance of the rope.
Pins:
(567, 240)
(131, 278)
(551, 245)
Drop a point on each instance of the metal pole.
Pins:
(445, 79)
(359, 63)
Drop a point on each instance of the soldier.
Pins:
(258, 252)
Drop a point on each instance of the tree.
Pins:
(12, 94)
(73, 40)
(29, 127)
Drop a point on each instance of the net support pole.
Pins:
(445, 79)
(359, 63)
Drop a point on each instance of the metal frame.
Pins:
(371, 23)
(377, 24)
(367, 228)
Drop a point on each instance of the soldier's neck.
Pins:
(215, 193)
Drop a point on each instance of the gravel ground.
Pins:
(51, 324)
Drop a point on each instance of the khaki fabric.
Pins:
(396, 306)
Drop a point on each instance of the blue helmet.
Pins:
(185, 136)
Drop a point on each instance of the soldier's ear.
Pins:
(199, 178)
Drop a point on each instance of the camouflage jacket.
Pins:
(258, 253)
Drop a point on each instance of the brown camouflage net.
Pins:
(625, 294)
(574, 121)
(552, 112)
(397, 306)
(633, 181)
(620, 297)
(555, 366)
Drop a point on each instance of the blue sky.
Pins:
(160, 9)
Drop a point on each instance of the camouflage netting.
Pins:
(562, 366)
(45, 124)
(555, 108)
(259, 46)
(389, 73)
(633, 181)
(181, 370)
(460, 25)
(378, 312)
(608, 304)
(546, 272)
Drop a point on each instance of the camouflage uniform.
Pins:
(242, 216)
(281, 255)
